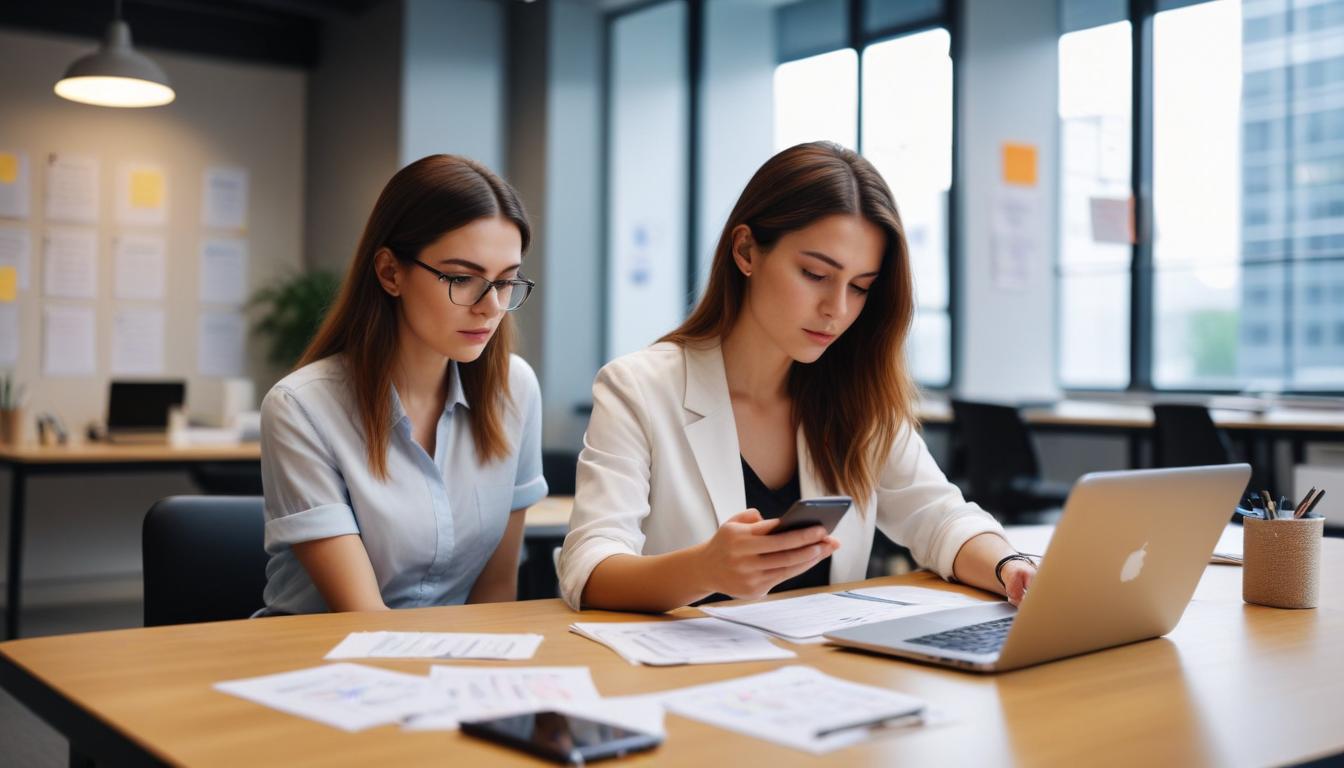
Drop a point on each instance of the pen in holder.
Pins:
(1281, 565)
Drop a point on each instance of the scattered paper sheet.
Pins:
(435, 645)
(139, 267)
(142, 195)
(351, 697)
(467, 693)
(16, 248)
(14, 185)
(917, 596)
(71, 264)
(137, 342)
(225, 198)
(688, 641)
(223, 271)
(805, 619)
(9, 335)
(220, 342)
(68, 348)
(72, 188)
(795, 707)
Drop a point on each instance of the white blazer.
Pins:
(661, 470)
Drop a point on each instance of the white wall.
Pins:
(736, 114)
(353, 130)
(1008, 93)
(225, 113)
(453, 80)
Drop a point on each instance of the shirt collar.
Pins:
(456, 396)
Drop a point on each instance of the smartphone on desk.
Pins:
(561, 738)
(825, 511)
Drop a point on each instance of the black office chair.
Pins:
(228, 478)
(1002, 472)
(560, 468)
(203, 559)
(1185, 436)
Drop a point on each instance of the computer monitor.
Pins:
(140, 407)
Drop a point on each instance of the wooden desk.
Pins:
(25, 461)
(145, 696)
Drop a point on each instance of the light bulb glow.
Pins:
(114, 91)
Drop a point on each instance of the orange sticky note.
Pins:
(1019, 164)
(146, 189)
(9, 168)
(9, 284)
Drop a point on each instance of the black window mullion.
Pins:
(1141, 328)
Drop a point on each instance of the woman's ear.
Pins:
(744, 249)
(388, 270)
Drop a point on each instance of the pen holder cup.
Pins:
(1281, 562)
(11, 426)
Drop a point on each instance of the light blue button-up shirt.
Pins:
(430, 527)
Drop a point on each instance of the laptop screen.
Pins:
(143, 404)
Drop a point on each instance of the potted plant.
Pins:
(292, 310)
(11, 410)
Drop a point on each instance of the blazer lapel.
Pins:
(713, 435)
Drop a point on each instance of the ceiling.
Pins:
(284, 32)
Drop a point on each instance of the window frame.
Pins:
(1142, 15)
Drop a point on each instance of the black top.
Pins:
(772, 504)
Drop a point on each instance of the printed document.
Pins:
(689, 641)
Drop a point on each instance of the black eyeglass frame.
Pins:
(516, 282)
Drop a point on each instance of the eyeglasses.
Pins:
(468, 290)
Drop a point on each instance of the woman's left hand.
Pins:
(1017, 576)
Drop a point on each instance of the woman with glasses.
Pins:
(398, 459)
(788, 381)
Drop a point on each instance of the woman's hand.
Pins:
(743, 560)
(1017, 576)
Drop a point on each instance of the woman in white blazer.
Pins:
(787, 381)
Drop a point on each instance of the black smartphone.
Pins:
(825, 511)
(560, 737)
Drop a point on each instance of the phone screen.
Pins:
(560, 736)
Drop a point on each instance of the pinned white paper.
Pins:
(225, 198)
(137, 342)
(70, 267)
(15, 187)
(220, 343)
(223, 271)
(139, 267)
(72, 188)
(68, 346)
(16, 248)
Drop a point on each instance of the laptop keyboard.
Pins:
(985, 637)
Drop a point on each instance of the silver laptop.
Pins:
(1122, 565)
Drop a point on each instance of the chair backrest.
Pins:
(560, 468)
(1185, 436)
(204, 559)
(996, 445)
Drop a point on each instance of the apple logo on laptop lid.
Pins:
(1134, 563)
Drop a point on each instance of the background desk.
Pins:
(26, 461)
(1192, 698)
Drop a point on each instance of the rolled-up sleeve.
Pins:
(529, 485)
(612, 497)
(306, 498)
(919, 508)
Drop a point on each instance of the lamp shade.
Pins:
(116, 75)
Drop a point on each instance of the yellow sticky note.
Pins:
(146, 189)
(1019, 164)
(9, 168)
(9, 284)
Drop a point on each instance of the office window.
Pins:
(907, 134)
(817, 98)
(1095, 114)
(1248, 195)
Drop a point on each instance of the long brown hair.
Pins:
(852, 401)
(421, 202)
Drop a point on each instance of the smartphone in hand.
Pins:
(825, 511)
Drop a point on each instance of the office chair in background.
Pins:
(1002, 472)
(1185, 436)
(203, 559)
